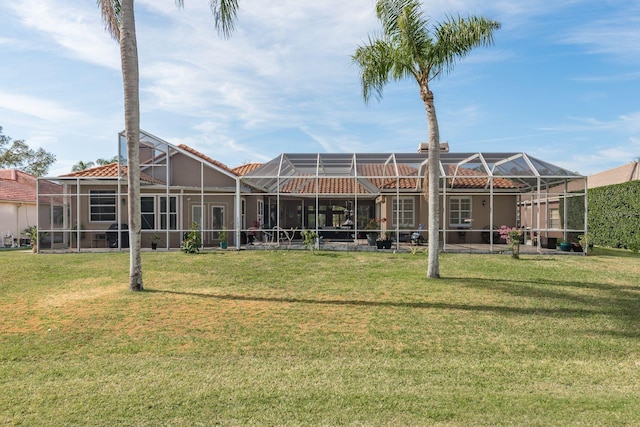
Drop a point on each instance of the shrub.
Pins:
(192, 242)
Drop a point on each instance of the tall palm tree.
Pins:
(120, 22)
(411, 47)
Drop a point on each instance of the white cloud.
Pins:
(77, 28)
(37, 107)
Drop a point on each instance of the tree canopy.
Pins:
(17, 154)
(82, 165)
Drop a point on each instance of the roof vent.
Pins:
(423, 147)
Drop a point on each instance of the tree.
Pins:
(120, 23)
(410, 47)
(103, 162)
(81, 165)
(18, 155)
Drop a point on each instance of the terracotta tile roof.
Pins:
(242, 170)
(206, 158)
(110, 171)
(307, 185)
(624, 173)
(405, 171)
(17, 186)
(468, 178)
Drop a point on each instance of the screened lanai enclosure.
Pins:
(345, 198)
(338, 195)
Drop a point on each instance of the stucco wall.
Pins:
(15, 217)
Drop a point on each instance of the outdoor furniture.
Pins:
(416, 236)
(112, 236)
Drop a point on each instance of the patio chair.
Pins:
(416, 236)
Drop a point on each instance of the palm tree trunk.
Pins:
(130, 77)
(433, 269)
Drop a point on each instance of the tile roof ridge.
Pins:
(205, 157)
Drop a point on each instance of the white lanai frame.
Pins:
(360, 177)
(371, 174)
(156, 158)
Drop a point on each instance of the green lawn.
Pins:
(291, 338)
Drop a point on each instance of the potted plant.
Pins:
(564, 245)
(584, 242)
(386, 242)
(222, 236)
(32, 232)
(371, 234)
(374, 224)
(155, 239)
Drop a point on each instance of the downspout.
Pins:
(565, 210)
(491, 214)
(167, 181)
(202, 209)
(237, 216)
(444, 214)
(77, 212)
(586, 216)
(317, 199)
(37, 215)
(538, 240)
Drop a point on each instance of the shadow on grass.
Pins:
(551, 312)
(618, 302)
(609, 252)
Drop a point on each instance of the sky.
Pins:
(561, 82)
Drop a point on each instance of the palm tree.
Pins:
(104, 162)
(410, 47)
(120, 23)
(80, 166)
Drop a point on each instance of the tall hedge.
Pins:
(614, 215)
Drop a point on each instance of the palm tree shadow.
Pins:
(551, 312)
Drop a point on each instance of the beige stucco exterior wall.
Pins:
(504, 213)
(185, 171)
(15, 217)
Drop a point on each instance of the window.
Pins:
(147, 213)
(260, 212)
(217, 220)
(168, 214)
(554, 218)
(196, 216)
(403, 212)
(243, 213)
(460, 211)
(57, 216)
(102, 205)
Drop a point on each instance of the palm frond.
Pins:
(457, 36)
(225, 13)
(110, 10)
(375, 62)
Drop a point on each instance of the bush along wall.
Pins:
(614, 215)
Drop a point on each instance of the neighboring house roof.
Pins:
(242, 170)
(205, 157)
(17, 186)
(624, 173)
(110, 171)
